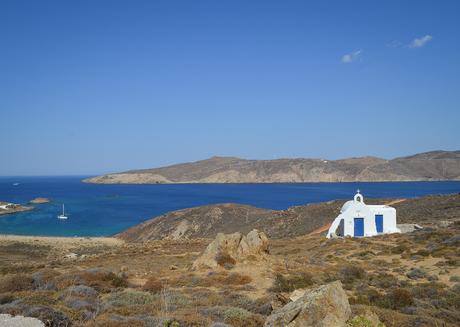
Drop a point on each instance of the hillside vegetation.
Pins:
(436, 165)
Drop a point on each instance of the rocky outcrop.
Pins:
(39, 200)
(435, 165)
(324, 306)
(8, 208)
(233, 248)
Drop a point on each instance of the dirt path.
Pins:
(395, 202)
(322, 229)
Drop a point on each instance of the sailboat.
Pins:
(62, 216)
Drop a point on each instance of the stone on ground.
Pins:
(233, 248)
(324, 306)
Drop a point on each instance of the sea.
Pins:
(104, 210)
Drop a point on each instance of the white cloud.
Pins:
(421, 41)
(394, 44)
(350, 57)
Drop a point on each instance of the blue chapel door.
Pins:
(379, 223)
(359, 226)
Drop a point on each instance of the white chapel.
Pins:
(358, 219)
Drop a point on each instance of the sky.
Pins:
(91, 87)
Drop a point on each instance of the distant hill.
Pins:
(435, 165)
(207, 221)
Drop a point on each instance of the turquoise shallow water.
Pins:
(102, 210)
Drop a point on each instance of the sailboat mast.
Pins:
(63, 209)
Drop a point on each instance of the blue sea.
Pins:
(103, 210)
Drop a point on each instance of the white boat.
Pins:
(63, 216)
(15, 184)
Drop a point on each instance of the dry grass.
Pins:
(153, 285)
(291, 282)
(16, 283)
(374, 272)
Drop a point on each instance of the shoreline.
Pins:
(113, 239)
(84, 181)
(56, 240)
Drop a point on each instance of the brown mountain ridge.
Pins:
(435, 165)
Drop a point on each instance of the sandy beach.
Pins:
(61, 241)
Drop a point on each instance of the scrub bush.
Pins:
(291, 283)
(80, 291)
(416, 273)
(16, 283)
(131, 297)
(349, 274)
(153, 285)
(397, 299)
(383, 280)
(237, 279)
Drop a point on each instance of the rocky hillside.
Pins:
(436, 165)
(207, 221)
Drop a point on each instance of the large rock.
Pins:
(325, 306)
(233, 248)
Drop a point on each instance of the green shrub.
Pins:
(349, 274)
(427, 290)
(360, 321)
(115, 280)
(236, 313)
(131, 297)
(100, 279)
(416, 273)
(383, 280)
(360, 299)
(364, 254)
(293, 282)
(170, 323)
(455, 279)
(400, 249)
(397, 299)
(373, 296)
(241, 317)
(16, 283)
(237, 279)
(6, 298)
(153, 285)
(422, 252)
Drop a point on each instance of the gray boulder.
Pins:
(233, 248)
(324, 306)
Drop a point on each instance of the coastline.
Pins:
(19, 209)
(61, 240)
(328, 209)
(88, 181)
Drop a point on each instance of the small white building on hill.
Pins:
(358, 219)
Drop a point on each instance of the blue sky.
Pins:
(89, 87)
